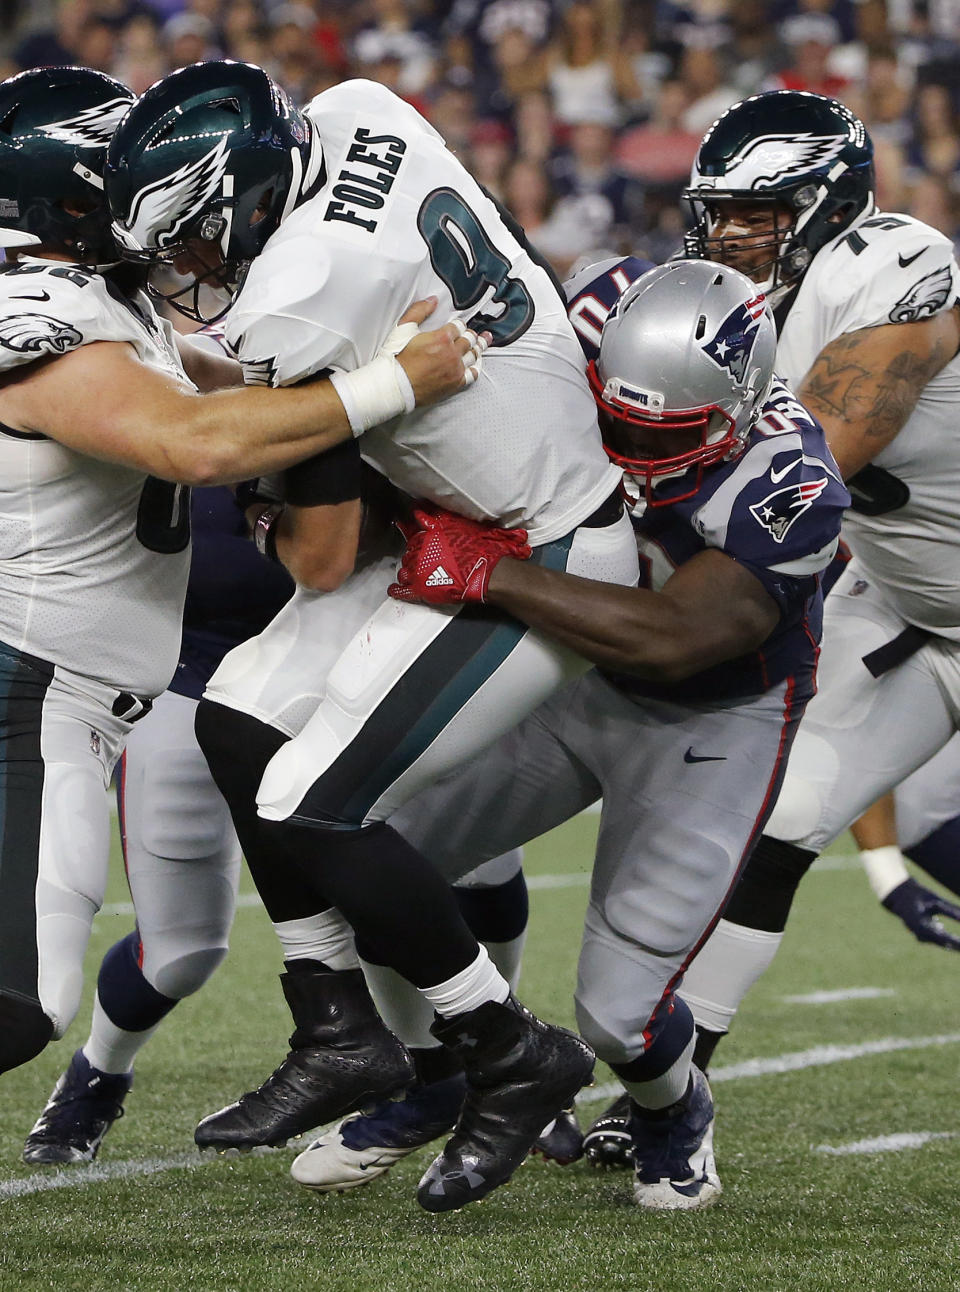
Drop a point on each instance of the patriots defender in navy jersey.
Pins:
(684, 727)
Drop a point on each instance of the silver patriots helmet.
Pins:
(685, 364)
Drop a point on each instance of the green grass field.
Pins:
(155, 1215)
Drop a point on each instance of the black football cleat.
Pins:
(608, 1142)
(562, 1140)
(342, 1057)
(521, 1072)
(83, 1106)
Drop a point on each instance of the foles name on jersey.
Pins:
(357, 192)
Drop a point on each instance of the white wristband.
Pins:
(374, 393)
(885, 869)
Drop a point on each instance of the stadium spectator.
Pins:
(810, 37)
(587, 71)
(661, 151)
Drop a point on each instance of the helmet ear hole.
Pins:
(262, 209)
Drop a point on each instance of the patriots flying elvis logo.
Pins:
(778, 511)
(732, 344)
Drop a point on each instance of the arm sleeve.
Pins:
(890, 269)
(329, 477)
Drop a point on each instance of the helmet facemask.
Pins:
(201, 173)
(685, 364)
(805, 158)
(683, 439)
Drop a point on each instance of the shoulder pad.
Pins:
(371, 99)
(276, 325)
(888, 269)
(46, 310)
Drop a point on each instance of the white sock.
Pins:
(666, 1089)
(109, 1048)
(406, 1012)
(724, 971)
(326, 937)
(508, 957)
(479, 982)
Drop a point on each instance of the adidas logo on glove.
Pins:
(439, 578)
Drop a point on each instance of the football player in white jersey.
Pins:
(684, 727)
(101, 430)
(869, 331)
(314, 753)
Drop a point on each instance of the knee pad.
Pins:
(496, 914)
(222, 732)
(187, 973)
(764, 894)
(813, 772)
(25, 1031)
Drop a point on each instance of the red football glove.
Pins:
(450, 559)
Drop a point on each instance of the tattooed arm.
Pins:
(864, 385)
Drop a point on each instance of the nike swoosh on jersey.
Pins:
(777, 476)
(908, 260)
(691, 757)
(44, 296)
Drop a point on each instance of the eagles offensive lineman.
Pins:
(385, 211)
(100, 430)
(866, 308)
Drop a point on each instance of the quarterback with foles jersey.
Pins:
(312, 225)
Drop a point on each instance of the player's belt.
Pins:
(130, 708)
(608, 513)
(894, 652)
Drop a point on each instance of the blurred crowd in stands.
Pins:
(583, 116)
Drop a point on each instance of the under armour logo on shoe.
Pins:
(439, 578)
(464, 1037)
(471, 1176)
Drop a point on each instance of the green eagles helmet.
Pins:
(801, 152)
(215, 152)
(55, 124)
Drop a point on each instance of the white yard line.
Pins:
(841, 994)
(818, 1057)
(80, 1176)
(76, 1177)
(885, 1143)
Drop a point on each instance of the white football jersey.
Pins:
(93, 556)
(893, 269)
(398, 218)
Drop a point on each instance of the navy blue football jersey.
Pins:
(233, 593)
(775, 509)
